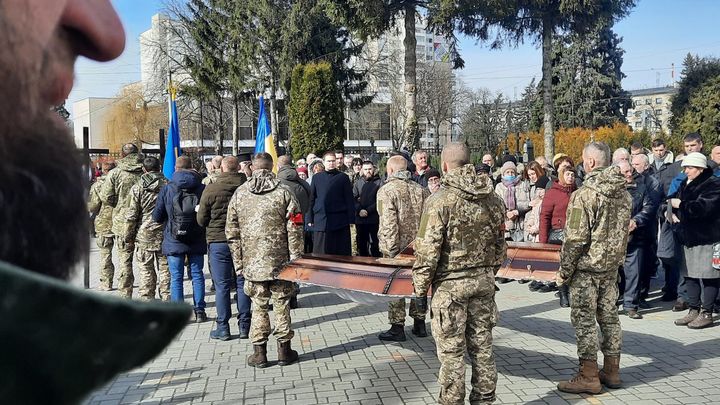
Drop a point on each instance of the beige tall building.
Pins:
(650, 109)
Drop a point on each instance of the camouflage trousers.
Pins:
(592, 302)
(396, 312)
(260, 293)
(353, 240)
(463, 314)
(107, 268)
(154, 274)
(126, 278)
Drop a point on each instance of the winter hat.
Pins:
(509, 158)
(695, 159)
(558, 157)
(302, 169)
(542, 182)
(482, 168)
(507, 166)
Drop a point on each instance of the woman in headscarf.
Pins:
(516, 195)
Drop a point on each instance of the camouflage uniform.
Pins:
(211, 177)
(148, 235)
(262, 238)
(103, 231)
(596, 236)
(459, 247)
(115, 192)
(399, 204)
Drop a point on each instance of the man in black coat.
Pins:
(332, 209)
(367, 220)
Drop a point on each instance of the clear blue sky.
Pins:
(656, 34)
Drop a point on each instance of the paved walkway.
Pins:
(343, 362)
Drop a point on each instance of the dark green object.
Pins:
(59, 343)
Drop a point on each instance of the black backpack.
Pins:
(184, 226)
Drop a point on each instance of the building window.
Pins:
(658, 100)
(428, 57)
(658, 112)
(429, 40)
(648, 101)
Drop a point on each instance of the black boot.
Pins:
(200, 316)
(419, 329)
(244, 331)
(395, 334)
(564, 296)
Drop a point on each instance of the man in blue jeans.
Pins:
(182, 236)
(211, 215)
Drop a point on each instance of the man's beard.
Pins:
(43, 210)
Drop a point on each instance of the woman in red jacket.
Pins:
(553, 215)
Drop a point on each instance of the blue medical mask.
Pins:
(509, 178)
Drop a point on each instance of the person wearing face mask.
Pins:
(515, 193)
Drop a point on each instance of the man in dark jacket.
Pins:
(182, 236)
(367, 219)
(420, 159)
(642, 224)
(211, 215)
(332, 210)
(288, 176)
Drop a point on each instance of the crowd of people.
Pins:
(342, 205)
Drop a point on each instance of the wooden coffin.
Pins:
(531, 261)
(393, 277)
(377, 276)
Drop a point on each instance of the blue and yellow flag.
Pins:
(264, 141)
(172, 150)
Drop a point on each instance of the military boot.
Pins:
(419, 329)
(610, 373)
(395, 334)
(286, 355)
(259, 357)
(685, 320)
(585, 381)
(564, 296)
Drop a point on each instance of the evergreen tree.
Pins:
(316, 110)
(587, 80)
(702, 112)
(696, 72)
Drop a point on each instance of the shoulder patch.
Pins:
(575, 218)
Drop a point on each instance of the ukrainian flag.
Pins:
(172, 150)
(264, 141)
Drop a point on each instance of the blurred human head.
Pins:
(330, 160)
(715, 154)
(357, 164)
(420, 158)
(395, 164)
(595, 155)
(658, 149)
(454, 154)
(488, 160)
(692, 143)
(640, 163)
(566, 176)
(620, 154)
(229, 164)
(433, 177)
(626, 170)
(368, 169)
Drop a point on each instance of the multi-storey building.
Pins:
(650, 109)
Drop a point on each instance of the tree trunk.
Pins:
(411, 136)
(235, 124)
(273, 112)
(548, 119)
(219, 141)
(437, 135)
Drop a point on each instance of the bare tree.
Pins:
(439, 95)
(484, 119)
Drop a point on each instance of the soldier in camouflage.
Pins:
(459, 247)
(399, 204)
(103, 228)
(264, 231)
(146, 234)
(596, 236)
(215, 171)
(115, 192)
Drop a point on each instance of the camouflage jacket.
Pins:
(596, 230)
(102, 212)
(461, 230)
(116, 190)
(399, 205)
(141, 228)
(260, 229)
(211, 177)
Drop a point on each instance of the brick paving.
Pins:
(343, 362)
